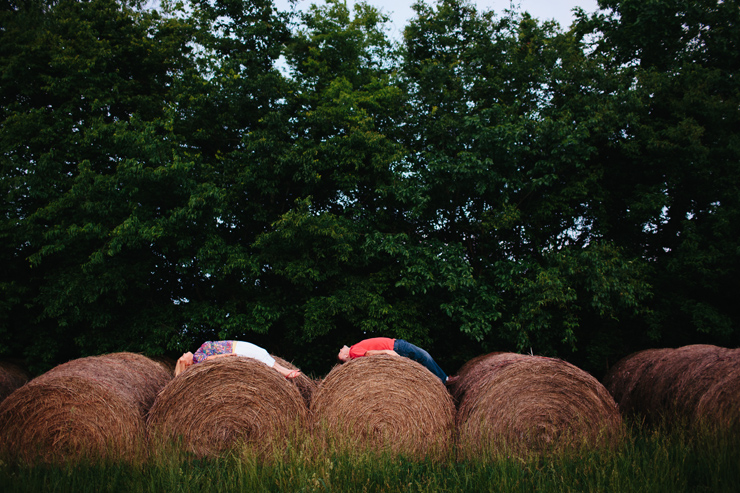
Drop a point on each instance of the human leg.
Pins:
(408, 350)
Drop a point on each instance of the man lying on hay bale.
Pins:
(218, 349)
(384, 404)
(393, 347)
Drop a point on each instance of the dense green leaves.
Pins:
(220, 169)
(673, 172)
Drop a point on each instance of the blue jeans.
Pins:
(417, 354)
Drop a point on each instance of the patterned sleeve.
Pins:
(210, 348)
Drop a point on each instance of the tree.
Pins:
(503, 151)
(490, 184)
(92, 176)
(671, 169)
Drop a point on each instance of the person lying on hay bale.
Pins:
(393, 347)
(220, 349)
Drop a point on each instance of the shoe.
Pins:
(451, 380)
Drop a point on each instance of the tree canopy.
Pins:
(222, 169)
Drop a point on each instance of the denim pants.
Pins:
(417, 354)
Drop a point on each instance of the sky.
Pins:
(400, 10)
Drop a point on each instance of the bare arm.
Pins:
(373, 352)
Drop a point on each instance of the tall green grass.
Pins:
(648, 460)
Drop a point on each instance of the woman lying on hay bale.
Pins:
(393, 347)
(218, 349)
(224, 405)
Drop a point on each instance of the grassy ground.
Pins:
(648, 460)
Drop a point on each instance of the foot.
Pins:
(451, 380)
(293, 374)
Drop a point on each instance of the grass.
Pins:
(650, 460)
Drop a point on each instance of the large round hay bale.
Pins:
(148, 376)
(719, 404)
(646, 396)
(529, 404)
(624, 376)
(90, 406)
(384, 403)
(305, 384)
(672, 387)
(471, 371)
(677, 386)
(221, 403)
(12, 376)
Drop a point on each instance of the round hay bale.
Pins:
(471, 371)
(531, 404)
(150, 377)
(646, 397)
(719, 402)
(667, 385)
(384, 403)
(12, 376)
(305, 384)
(221, 403)
(623, 377)
(92, 406)
(678, 381)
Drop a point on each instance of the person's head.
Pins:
(343, 355)
(183, 362)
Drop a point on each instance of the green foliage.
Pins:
(503, 141)
(87, 147)
(221, 169)
(673, 171)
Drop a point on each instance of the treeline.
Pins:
(221, 169)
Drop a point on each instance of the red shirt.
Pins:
(375, 343)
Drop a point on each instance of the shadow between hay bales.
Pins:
(305, 384)
(166, 362)
(86, 408)
(221, 405)
(518, 405)
(12, 376)
(384, 404)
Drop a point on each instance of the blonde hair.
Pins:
(183, 363)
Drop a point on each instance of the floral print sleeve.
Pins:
(210, 348)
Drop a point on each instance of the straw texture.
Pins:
(521, 404)
(384, 403)
(219, 404)
(89, 406)
(305, 384)
(694, 384)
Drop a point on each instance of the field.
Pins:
(650, 460)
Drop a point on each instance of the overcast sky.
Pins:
(400, 10)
